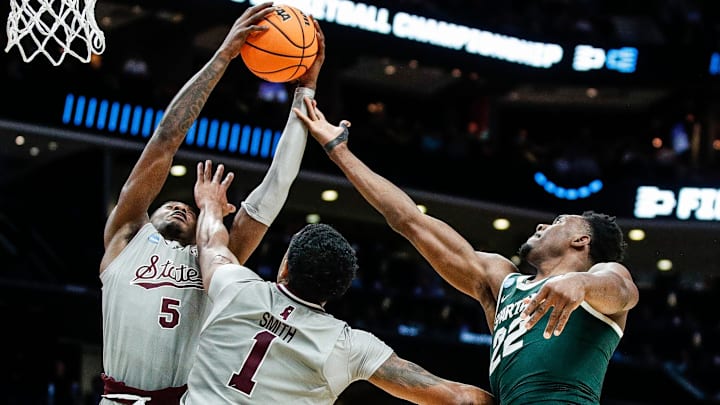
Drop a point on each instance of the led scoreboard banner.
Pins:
(475, 44)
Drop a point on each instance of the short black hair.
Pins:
(608, 243)
(321, 263)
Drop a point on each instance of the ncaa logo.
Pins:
(154, 238)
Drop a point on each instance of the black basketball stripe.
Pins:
(276, 53)
(302, 29)
(294, 68)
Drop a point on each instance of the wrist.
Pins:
(338, 140)
(223, 56)
(305, 91)
(312, 85)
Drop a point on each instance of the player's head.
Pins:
(175, 221)
(598, 234)
(321, 263)
(607, 242)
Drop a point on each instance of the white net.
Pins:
(54, 28)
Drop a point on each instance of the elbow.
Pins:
(402, 221)
(471, 395)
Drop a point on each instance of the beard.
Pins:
(524, 251)
(173, 231)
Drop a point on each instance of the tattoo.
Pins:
(221, 259)
(407, 373)
(189, 101)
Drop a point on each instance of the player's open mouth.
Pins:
(179, 215)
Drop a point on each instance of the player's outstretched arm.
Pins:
(211, 234)
(474, 273)
(406, 380)
(262, 206)
(151, 170)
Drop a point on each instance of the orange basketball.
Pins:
(286, 50)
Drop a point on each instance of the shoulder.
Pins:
(228, 274)
(367, 348)
(122, 238)
(495, 268)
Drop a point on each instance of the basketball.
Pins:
(286, 50)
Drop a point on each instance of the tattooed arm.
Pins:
(407, 380)
(150, 172)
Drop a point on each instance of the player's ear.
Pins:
(581, 240)
(282, 276)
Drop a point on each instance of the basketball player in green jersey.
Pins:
(553, 332)
(153, 302)
(272, 342)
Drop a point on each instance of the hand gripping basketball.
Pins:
(246, 24)
(286, 49)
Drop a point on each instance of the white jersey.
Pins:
(263, 345)
(153, 306)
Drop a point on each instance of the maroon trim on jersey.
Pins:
(283, 289)
(165, 396)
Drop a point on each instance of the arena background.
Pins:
(631, 102)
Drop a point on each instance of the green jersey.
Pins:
(526, 368)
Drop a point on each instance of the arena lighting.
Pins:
(664, 265)
(312, 218)
(136, 120)
(178, 170)
(408, 330)
(636, 234)
(568, 193)
(501, 224)
(701, 203)
(329, 195)
(714, 68)
(482, 339)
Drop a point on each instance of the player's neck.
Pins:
(560, 265)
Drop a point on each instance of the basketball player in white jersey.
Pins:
(272, 342)
(153, 302)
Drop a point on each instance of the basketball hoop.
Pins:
(55, 28)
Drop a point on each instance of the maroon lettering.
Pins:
(244, 380)
(169, 313)
(286, 312)
(167, 274)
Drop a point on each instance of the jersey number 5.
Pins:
(169, 313)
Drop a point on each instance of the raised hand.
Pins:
(211, 188)
(244, 26)
(325, 133)
(309, 78)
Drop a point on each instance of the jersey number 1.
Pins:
(243, 380)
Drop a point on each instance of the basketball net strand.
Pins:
(68, 25)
